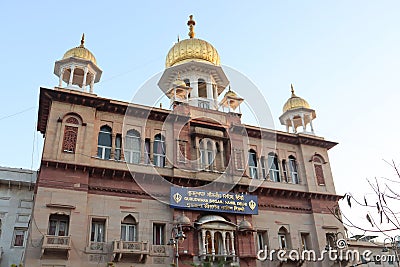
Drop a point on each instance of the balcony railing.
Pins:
(130, 248)
(56, 243)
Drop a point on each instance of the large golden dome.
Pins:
(192, 49)
(295, 102)
(80, 52)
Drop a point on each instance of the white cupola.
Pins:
(78, 69)
(296, 113)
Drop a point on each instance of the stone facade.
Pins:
(16, 201)
(88, 192)
(103, 191)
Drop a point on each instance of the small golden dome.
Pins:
(295, 102)
(192, 49)
(230, 93)
(80, 52)
(179, 83)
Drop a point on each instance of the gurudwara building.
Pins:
(122, 184)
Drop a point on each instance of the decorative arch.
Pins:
(129, 228)
(129, 219)
(283, 238)
(104, 142)
(318, 162)
(73, 115)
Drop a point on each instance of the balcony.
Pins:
(130, 250)
(56, 245)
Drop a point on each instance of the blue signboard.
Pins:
(193, 199)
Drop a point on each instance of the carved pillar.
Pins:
(197, 147)
(143, 154)
(151, 152)
(203, 237)
(233, 244)
(214, 163)
(221, 152)
(113, 136)
(223, 242)
(212, 243)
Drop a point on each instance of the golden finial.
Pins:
(292, 89)
(83, 40)
(191, 24)
(229, 88)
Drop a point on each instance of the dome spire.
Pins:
(292, 89)
(191, 24)
(83, 40)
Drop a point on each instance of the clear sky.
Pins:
(343, 57)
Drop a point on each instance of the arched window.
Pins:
(202, 88)
(159, 150)
(293, 170)
(132, 147)
(273, 165)
(253, 164)
(129, 229)
(104, 142)
(319, 172)
(70, 135)
(283, 238)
